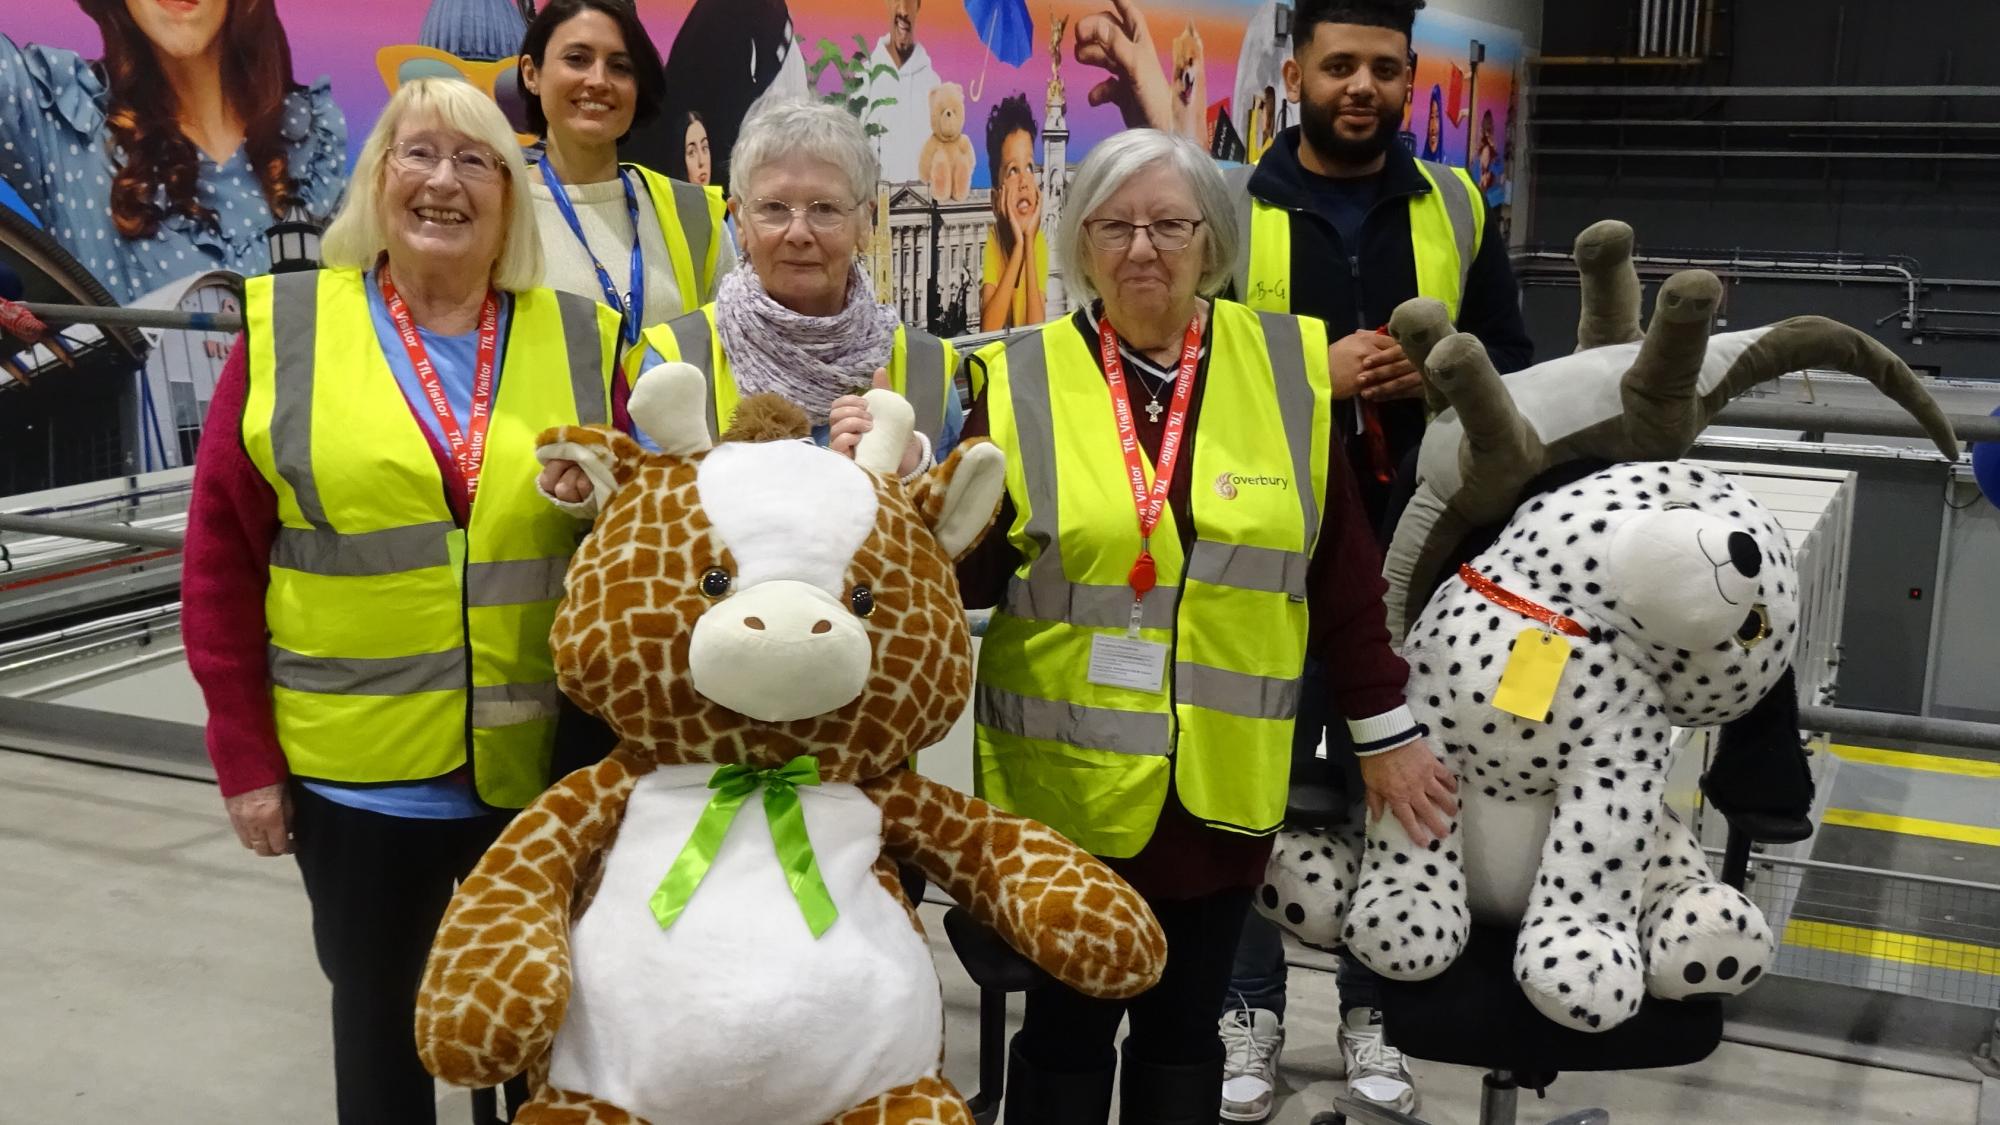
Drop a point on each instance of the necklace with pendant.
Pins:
(1153, 408)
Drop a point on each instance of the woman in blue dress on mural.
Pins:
(173, 153)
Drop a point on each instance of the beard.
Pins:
(1316, 125)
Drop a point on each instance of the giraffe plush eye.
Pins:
(862, 601)
(715, 582)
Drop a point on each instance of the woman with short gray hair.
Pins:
(803, 322)
(1182, 532)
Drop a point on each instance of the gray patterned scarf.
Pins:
(810, 360)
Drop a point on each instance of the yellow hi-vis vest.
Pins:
(403, 646)
(1447, 227)
(1093, 762)
(691, 222)
(920, 368)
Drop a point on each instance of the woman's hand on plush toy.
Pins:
(1412, 783)
(850, 418)
(564, 480)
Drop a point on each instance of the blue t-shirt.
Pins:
(1345, 204)
(455, 358)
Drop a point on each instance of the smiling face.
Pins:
(1139, 282)
(802, 267)
(179, 29)
(445, 214)
(585, 83)
(903, 26)
(1351, 82)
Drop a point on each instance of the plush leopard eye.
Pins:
(715, 582)
(1755, 627)
(861, 601)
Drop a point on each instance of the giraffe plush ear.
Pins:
(607, 457)
(959, 498)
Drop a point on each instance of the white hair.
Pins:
(356, 236)
(781, 126)
(1114, 162)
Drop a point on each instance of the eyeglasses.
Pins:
(1165, 234)
(774, 215)
(471, 164)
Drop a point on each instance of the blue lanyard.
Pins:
(634, 305)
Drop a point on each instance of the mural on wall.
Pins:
(159, 140)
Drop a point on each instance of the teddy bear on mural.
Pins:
(947, 158)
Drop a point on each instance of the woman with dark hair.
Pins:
(1014, 273)
(648, 246)
(696, 158)
(173, 153)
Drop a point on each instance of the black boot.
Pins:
(1039, 1096)
(1151, 1093)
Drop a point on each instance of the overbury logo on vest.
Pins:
(1227, 485)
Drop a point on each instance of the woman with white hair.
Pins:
(370, 573)
(1182, 532)
(802, 321)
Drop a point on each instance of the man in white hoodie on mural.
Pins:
(908, 119)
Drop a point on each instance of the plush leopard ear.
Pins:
(606, 456)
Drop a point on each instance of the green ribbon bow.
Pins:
(733, 785)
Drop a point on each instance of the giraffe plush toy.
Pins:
(707, 928)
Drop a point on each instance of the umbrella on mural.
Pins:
(1006, 29)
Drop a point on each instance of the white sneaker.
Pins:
(1376, 1071)
(1251, 1040)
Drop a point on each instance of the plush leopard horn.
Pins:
(1497, 455)
(1660, 391)
(1815, 342)
(1610, 283)
(1419, 325)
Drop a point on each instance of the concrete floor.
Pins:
(154, 971)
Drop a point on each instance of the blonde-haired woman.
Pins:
(370, 573)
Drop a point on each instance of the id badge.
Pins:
(1127, 662)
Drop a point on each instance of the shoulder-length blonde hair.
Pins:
(356, 237)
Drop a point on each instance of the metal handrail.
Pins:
(1845, 722)
(98, 532)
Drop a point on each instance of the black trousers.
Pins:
(378, 886)
(1173, 1024)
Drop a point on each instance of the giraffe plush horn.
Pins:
(670, 403)
(881, 449)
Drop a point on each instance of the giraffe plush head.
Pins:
(758, 598)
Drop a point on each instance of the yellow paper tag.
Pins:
(1534, 669)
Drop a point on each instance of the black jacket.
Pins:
(1354, 288)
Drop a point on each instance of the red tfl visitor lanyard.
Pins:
(1150, 502)
(468, 446)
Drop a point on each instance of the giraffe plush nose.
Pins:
(780, 651)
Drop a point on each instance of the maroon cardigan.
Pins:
(225, 570)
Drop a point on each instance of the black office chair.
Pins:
(997, 970)
(1475, 1014)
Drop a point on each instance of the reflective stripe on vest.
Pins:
(1447, 227)
(402, 646)
(920, 368)
(691, 223)
(1093, 761)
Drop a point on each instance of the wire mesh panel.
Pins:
(1911, 935)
